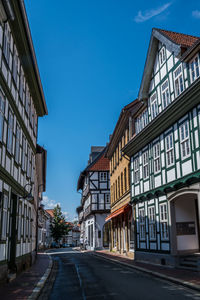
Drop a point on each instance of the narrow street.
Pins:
(84, 276)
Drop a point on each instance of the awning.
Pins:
(117, 212)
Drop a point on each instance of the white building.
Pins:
(94, 182)
(165, 152)
(21, 103)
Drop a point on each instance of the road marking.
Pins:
(80, 282)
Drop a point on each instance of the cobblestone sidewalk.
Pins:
(22, 287)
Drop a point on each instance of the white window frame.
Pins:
(184, 139)
(164, 228)
(194, 68)
(142, 229)
(23, 153)
(154, 105)
(136, 170)
(103, 176)
(152, 222)
(165, 94)
(178, 81)
(156, 158)
(15, 65)
(169, 148)
(10, 131)
(17, 143)
(6, 42)
(162, 56)
(145, 160)
(2, 113)
(5, 217)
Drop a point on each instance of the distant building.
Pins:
(21, 103)
(73, 236)
(44, 233)
(94, 182)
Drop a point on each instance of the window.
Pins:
(141, 121)
(28, 162)
(19, 222)
(125, 180)
(142, 223)
(120, 148)
(136, 170)
(178, 81)
(107, 199)
(154, 106)
(24, 227)
(169, 150)
(152, 223)
(17, 143)
(194, 68)
(156, 156)
(122, 187)
(145, 165)
(21, 85)
(27, 101)
(165, 94)
(131, 232)
(103, 176)
(162, 56)
(10, 132)
(6, 43)
(29, 223)
(164, 222)
(2, 110)
(15, 65)
(5, 217)
(23, 154)
(184, 140)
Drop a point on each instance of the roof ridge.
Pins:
(165, 30)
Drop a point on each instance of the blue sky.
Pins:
(91, 56)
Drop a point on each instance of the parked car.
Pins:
(65, 245)
(55, 245)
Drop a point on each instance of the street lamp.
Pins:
(28, 196)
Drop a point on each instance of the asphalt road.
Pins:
(84, 276)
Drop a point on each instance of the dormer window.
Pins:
(162, 56)
(178, 81)
(194, 68)
(154, 106)
(165, 94)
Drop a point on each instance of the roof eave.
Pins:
(156, 36)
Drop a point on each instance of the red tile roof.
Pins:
(180, 38)
(50, 212)
(102, 164)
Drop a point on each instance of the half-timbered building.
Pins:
(94, 182)
(165, 152)
(21, 103)
(120, 218)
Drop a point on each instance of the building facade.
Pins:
(165, 152)
(94, 182)
(21, 103)
(121, 219)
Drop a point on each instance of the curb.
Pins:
(155, 274)
(39, 286)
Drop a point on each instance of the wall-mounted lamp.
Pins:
(28, 196)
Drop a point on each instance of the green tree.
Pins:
(58, 227)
